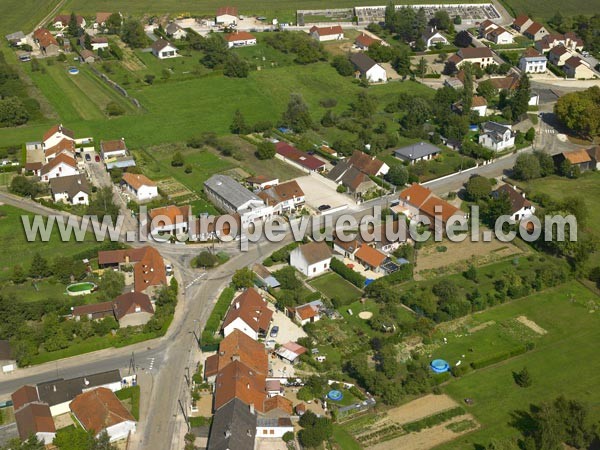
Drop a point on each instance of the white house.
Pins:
(100, 410)
(481, 56)
(61, 166)
(432, 36)
(175, 31)
(532, 61)
(322, 34)
(62, 21)
(499, 36)
(273, 428)
(73, 189)
(113, 149)
(311, 259)
(229, 195)
(479, 105)
(56, 134)
(170, 219)
(163, 49)
(520, 207)
(421, 151)
(496, 136)
(285, 197)
(577, 68)
(250, 314)
(99, 43)
(368, 68)
(227, 16)
(240, 39)
(140, 186)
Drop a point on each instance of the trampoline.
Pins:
(335, 395)
(439, 366)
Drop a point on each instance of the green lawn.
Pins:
(22, 14)
(75, 97)
(344, 439)
(334, 286)
(130, 396)
(586, 187)
(564, 361)
(17, 250)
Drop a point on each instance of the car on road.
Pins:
(324, 207)
(88, 157)
(169, 269)
(97, 158)
(274, 331)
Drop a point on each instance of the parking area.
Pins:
(288, 330)
(319, 191)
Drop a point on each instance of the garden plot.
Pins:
(174, 190)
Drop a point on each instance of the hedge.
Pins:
(216, 316)
(347, 273)
(434, 420)
(498, 357)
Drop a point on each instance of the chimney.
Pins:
(227, 433)
(523, 194)
(251, 408)
(54, 388)
(235, 358)
(237, 305)
(408, 198)
(86, 382)
(249, 432)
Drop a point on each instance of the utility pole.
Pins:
(132, 363)
(187, 422)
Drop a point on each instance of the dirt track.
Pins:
(421, 407)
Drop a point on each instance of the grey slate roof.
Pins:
(362, 62)
(229, 189)
(59, 391)
(494, 126)
(338, 170)
(417, 151)
(233, 427)
(172, 28)
(72, 185)
(16, 36)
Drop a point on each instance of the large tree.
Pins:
(478, 188)
(527, 167)
(297, 116)
(133, 34)
(580, 111)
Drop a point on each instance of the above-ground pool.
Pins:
(73, 70)
(335, 395)
(439, 366)
(80, 288)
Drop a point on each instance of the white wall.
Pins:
(376, 74)
(239, 324)
(272, 432)
(120, 430)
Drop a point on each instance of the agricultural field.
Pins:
(284, 10)
(544, 9)
(17, 14)
(564, 361)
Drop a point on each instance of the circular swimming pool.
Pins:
(80, 288)
(439, 366)
(73, 70)
(335, 395)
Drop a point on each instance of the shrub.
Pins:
(114, 109)
(347, 273)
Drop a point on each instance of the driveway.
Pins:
(288, 330)
(318, 190)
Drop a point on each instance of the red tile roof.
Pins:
(307, 312)
(521, 20)
(66, 18)
(136, 180)
(573, 62)
(531, 52)
(128, 303)
(327, 31)
(239, 346)
(24, 395)
(365, 40)
(415, 194)
(239, 36)
(479, 101)
(171, 212)
(237, 380)
(34, 418)
(475, 52)
(99, 409)
(56, 128)
(63, 144)
(252, 309)
(435, 206)
(304, 159)
(229, 10)
(279, 402)
(365, 163)
(62, 158)
(129, 255)
(534, 28)
(370, 256)
(102, 17)
(577, 156)
(149, 271)
(97, 310)
(113, 146)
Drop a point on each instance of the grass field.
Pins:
(22, 14)
(544, 9)
(564, 361)
(334, 286)
(82, 96)
(16, 249)
(586, 187)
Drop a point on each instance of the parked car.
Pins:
(274, 331)
(97, 158)
(88, 157)
(324, 207)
